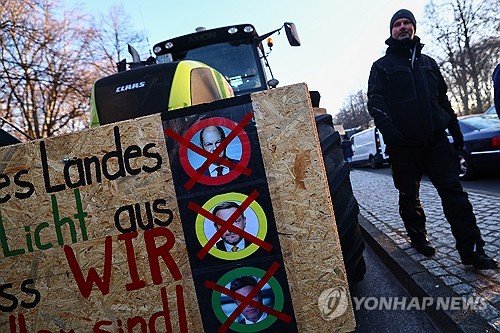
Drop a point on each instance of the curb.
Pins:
(419, 282)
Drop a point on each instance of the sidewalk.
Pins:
(441, 275)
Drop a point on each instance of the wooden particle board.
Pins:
(47, 188)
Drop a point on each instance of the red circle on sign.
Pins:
(232, 174)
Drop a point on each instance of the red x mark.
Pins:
(248, 299)
(213, 157)
(228, 225)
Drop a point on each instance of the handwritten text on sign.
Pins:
(64, 229)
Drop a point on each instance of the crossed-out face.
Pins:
(211, 138)
(229, 236)
(250, 312)
(403, 29)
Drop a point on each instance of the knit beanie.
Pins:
(402, 13)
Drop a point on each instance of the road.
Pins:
(488, 183)
(379, 282)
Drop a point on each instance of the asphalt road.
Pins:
(488, 182)
(379, 282)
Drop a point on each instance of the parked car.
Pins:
(491, 111)
(481, 144)
(369, 148)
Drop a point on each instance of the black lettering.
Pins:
(138, 214)
(18, 181)
(131, 216)
(156, 156)
(81, 175)
(9, 297)
(160, 210)
(30, 291)
(116, 154)
(132, 152)
(87, 162)
(4, 182)
(45, 168)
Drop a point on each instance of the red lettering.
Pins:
(162, 251)
(163, 313)
(97, 326)
(136, 283)
(22, 324)
(132, 323)
(12, 324)
(85, 285)
(181, 310)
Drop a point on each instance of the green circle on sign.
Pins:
(279, 300)
(238, 198)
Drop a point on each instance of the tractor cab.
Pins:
(235, 51)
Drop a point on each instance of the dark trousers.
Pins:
(440, 162)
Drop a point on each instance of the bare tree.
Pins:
(113, 35)
(468, 34)
(49, 59)
(44, 67)
(354, 112)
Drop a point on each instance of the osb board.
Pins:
(61, 305)
(299, 195)
(302, 205)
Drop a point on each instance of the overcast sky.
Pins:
(340, 38)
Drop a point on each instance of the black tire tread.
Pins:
(345, 206)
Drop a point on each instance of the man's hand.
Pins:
(456, 134)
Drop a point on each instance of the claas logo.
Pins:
(131, 86)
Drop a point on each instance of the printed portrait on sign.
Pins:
(232, 240)
(250, 300)
(209, 139)
(252, 313)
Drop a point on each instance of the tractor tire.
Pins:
(345, 206)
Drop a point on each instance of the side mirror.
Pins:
(273, 83)
(291, 34)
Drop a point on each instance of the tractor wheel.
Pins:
(345, 206)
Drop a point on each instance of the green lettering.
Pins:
(38, 230)
(5, 246)
(81, 214)
(58, 223)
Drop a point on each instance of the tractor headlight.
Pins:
(248, 29)
(232, 30)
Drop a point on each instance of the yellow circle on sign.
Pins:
(254, 210)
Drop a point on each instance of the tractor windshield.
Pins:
(235, 60)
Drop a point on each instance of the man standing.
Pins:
(407, 99)
(210, 139)
(243, 286)
(346, 145)
(230, 241)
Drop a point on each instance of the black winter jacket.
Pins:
(407, 96)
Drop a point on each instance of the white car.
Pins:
(369, 148)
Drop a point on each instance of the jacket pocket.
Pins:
(401, 85)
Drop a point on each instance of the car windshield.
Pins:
(480, 123)
(491, 110)
(234, 60)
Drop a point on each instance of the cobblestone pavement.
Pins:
(378, 201)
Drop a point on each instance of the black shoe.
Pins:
(479, 260)
(422, 245)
